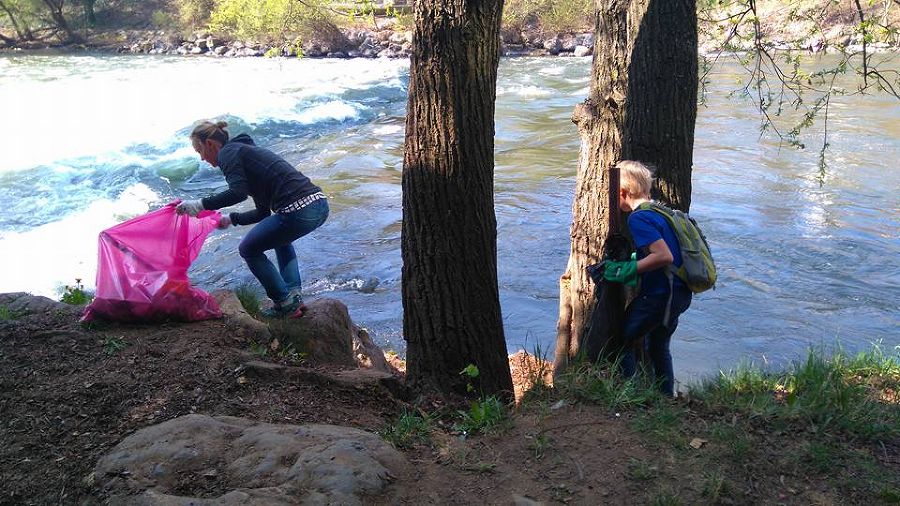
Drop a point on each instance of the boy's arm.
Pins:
(660, 256)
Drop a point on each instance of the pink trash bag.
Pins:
(142, 269)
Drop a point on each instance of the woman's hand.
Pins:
(189, 207)
(224, 222)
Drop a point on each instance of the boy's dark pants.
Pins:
(644, 318)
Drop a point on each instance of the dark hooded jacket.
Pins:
(252, 171)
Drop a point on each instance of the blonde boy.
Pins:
(662, 296)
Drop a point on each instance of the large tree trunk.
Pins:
(642, 106)
(449, 241)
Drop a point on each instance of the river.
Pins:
(91, 140)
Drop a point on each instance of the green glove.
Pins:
(624, 272)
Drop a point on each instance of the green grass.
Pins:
(114, 344)
(855, 395)
(641, 470)
(249, 299)
(409, 429)
(7, 314)
(603, 384)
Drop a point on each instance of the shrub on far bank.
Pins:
(550, 15)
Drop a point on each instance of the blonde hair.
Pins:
(209, 130)
(635, 177)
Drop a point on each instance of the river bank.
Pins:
(389, 41)
(74, 397)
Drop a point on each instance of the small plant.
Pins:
(483, 415)
(714, 486)
(259, 349)
(409, 429)
(76, 294)
(291, 354)
(540, 445)
(471, 373)
(641, 470)
(249, 299)
(114, 344)
(7, 314)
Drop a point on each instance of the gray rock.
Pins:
(258, 463)
(196, 50)
(386, 53)
(582, 51)
(553, 46)
(24, 304)
(325, 332)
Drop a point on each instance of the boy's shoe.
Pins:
(287, 308)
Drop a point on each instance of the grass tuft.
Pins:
(409, 429)
(249, 299)
(857, 395)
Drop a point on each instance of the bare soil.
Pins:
(68, 395)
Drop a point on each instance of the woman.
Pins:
(288, 206)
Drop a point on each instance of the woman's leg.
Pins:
(300, 223)
(268, 234)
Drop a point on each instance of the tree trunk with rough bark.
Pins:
(449, 237)
(642, 106)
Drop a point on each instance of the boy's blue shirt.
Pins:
(646, 228)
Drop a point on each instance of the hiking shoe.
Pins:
(287, 308)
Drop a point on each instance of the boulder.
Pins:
(247, 463)
(582, 51)
(325, 332)
(24, 304)
(553, 46)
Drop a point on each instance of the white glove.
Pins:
(224, 221)
(189, 207)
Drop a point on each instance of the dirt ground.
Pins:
(69, 393)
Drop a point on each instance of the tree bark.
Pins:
(642, 106)
(59, 19)
(449, 237)
(89, 15)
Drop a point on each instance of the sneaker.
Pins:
(287, 307)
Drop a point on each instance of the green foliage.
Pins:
(76, 294)
(114, 344)
(409, 429)
(483, 415)
(551, 15)
(194, 13)
(855, 395)
(268, 20)
(163, 19)
(249, 299)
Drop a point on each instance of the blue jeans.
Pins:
(644, 318)
(278, 232)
